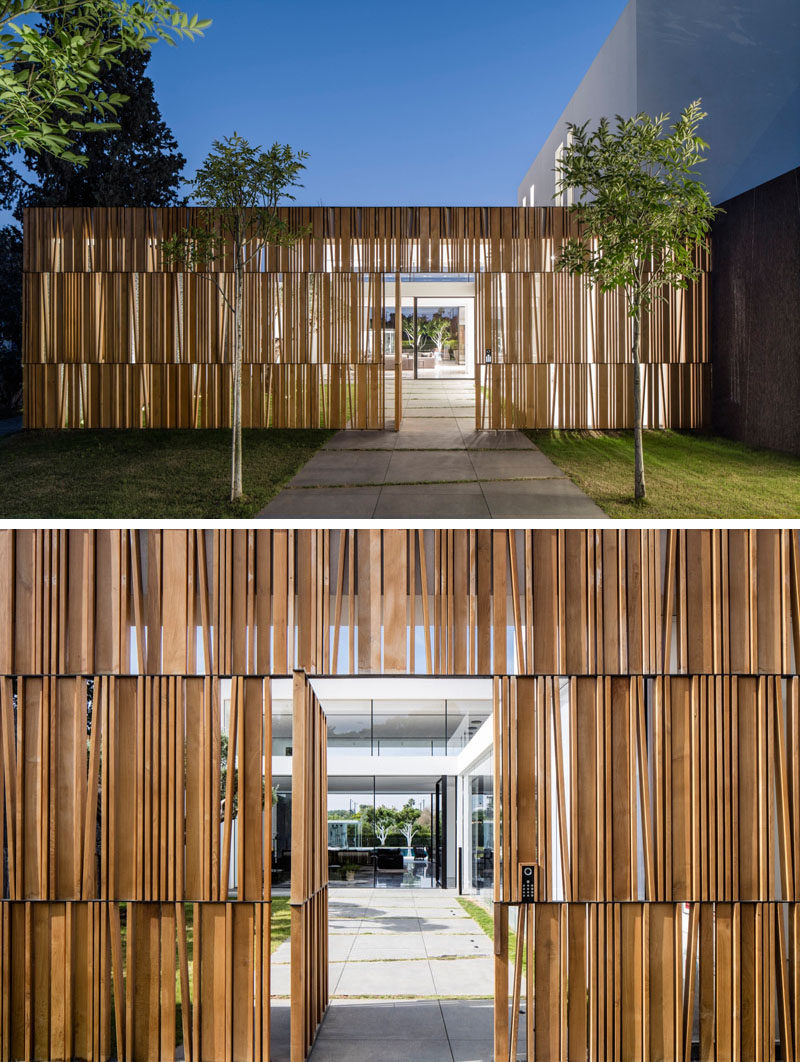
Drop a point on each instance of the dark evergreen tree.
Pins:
(136, 165)
(10, 320)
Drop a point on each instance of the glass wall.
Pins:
(433, 727)
(281, 833)
(479, 829)
(379, 836)
(438, 337)
(437, 324)
(350, 727)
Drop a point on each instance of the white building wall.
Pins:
(741, 58)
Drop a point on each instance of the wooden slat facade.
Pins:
(250, 602)
(661, 816)
(669, 789)
(111, 790)
(309, 884)
(647, 757)
(113, 339)
(466, 239)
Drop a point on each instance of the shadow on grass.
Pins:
(146, 474)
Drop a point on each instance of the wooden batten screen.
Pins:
(661, 816)
(121, 936)
(561, 355)
(112, 338)
(131, 350)
(309, 884)
(659, 667)
(465, 602)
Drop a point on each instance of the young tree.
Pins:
(643, 217)
(440, 332)
(239, 188)
(407, 819)
(46, 77)
(381, 820)
(407, 324)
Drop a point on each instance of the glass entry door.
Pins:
(379, 834)
(438, 338)
(439, 833)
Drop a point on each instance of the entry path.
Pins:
(411, 977)
(436, 466)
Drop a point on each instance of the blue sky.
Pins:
(411, 103)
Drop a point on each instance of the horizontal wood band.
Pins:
(225, 602)
(342, 239)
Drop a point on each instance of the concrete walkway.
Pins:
(437, 466)
(411, 977)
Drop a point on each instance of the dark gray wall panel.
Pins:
(755, 316)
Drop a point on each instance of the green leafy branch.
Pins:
(47, 75)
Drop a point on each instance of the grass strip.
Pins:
(281, 921)
(479, 913)
(146, 474)
(688, 474)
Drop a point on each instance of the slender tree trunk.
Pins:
(238, 344)
(638, 455)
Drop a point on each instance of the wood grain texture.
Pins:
(114, 339)
(236, 602)
(341, 239)
(660, 798)
(647, 761)
(309, 882)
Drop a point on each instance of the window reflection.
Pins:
(481, 811)
(379, 838)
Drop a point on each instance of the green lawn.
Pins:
(687, 475)
(146, 474)
(281, 921)
(478, 913)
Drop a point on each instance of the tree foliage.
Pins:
(139, 165)
(239, 188)
(436, 330)
(407, 819)
(381, 820)
(440, 331)
(642, 213)
(48, 69)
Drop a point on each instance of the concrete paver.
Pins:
(465, 977)
(400, 977)
(423, 466)
(436, 466)
(472, 1050)
(372, 1050)
(438, 945)
(471, 1022)
(343, 467)
(553, 499)
(332, 502)
(457, 501)
(388, 946)
(394, 947)
(362, 440)
(513, 464)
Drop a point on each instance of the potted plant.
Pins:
(349, 870)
